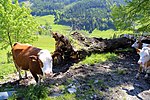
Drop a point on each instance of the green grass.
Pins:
(66, 96)
(45, 42)
(44, 19)
(108, 33)
(55, 27)
(3, 57)
(96, 58)
(31, 92)
(6, 69)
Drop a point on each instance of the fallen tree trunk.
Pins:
(102, 45)
(89, 45)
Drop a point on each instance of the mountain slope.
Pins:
(79, 14)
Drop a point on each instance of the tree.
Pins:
(16, 23)
(134, 15)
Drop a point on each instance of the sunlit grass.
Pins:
(44, 19)
(62, 29)
(66, 30)
(3, 57)
(108, 33)
(97, 58)
(6, 69)
(45, 42)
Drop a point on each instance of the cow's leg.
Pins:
(146, 76)
(35, 76)
(40, 78)
(26, 74)
(20, 77)
(19, 71)
(147, 72)
(139, 71)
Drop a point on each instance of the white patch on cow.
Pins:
(145, 45)
(136, 44)
(46, 58)
(144, 55)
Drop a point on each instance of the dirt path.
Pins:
(115, 80)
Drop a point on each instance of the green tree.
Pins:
(134, 15)
(16, 23)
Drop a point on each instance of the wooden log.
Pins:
(64, 50)
(99, 45)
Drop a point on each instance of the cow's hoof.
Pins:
(146, 76)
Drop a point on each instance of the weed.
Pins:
(121, 71)
(66, 96)
(33, 92)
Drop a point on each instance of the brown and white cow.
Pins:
(138, 44)
(144, 61)
(36, 60)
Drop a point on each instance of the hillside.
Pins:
(79, 14)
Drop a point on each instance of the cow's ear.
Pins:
(33, 58)
(62, 37)
(138, 51)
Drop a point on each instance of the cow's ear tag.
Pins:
(33, 58)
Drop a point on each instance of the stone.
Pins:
(72, 90)
(145, 95)
(6, 95)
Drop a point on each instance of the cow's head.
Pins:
(138, 43)
(36, 65)
(46, 59)
(144, 55)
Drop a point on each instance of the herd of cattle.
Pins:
(39, 62)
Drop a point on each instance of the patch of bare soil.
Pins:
(116, 80)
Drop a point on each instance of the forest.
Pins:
(79, 14)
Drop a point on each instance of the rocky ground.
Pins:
(105, 81)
